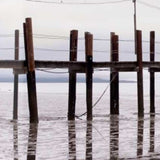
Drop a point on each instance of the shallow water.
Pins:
(107, 137)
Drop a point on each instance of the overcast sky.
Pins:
(59, 19)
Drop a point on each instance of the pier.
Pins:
(29, 65)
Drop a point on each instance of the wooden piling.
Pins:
(72, 75)
(89, 76)
(114, 77)
(152, 74)
(140, 75)
(31, 79)
(15, 96)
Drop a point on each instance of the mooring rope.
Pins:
(99, 97)
(98, 100)
(47, 71)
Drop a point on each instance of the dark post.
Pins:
(140, 74)
(114, 77)
(152, 74)
(31, 79)
(89, 76)
(72, 75)
(15, 97)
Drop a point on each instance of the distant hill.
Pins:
(60, 80)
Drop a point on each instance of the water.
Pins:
(107, 137)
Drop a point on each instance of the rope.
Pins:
(44, 70)
(78, 3)
(99, 97)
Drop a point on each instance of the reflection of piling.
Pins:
(140, 129)
(152, 133)
(15, 98)
(89, 141)
(32, 142)
(72, 140)
(15, 140)
(89, 70)
(114, 77)
(72, 75)
(114, 137)
(31, 79)
(152, 74)
(140, 74)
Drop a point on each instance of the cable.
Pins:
(99, 97)
(79, 3)
(10, 48)
(44, 70)
(149, 5)
(6, 35)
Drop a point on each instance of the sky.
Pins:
(58, 19)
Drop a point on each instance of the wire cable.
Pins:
(149, 5)
(47, 71)
(79, 3)
(98, 100)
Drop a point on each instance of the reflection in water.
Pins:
(72, 140)
(32, 142)
(114, 137)
(152, 131)
(140, 129)
(15, 140)
(89, 141)
(113, 141)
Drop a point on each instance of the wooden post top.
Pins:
(30, 49)
(88, 44)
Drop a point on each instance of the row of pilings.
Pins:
(86, 67)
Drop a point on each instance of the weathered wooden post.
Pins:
(140, 74)
(114, 77)
(152, 74)
(89, 70)
(15, 96)
(72, 75)
(31, 79)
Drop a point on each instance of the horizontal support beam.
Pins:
(79, 66)
(15, 64)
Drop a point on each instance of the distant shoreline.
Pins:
(60, 80)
